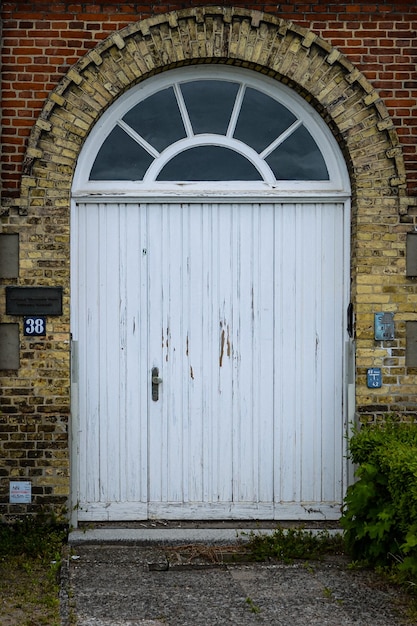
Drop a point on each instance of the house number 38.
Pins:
(34, 326)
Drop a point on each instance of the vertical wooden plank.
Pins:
(310, 279)
(202, 351)
(173, 368)
(110, 377)
(278, 434)
(157, 351)
(79, 323)
(224, 276)
(122, 450)
(188, 478)
(285, 354)
(89, 338)
(332, 339)
(309, 353)
(233, 346)
(264, 284)
(213, 458)
(144, 355)
(242, 354)
(134, 300)
(196, 362)
(110, 353)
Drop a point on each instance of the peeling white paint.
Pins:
(234, 306)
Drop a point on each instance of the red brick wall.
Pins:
(43, 39)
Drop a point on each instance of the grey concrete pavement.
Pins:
(126, 582)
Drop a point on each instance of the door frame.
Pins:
(336, 189)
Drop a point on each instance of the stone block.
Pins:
(9, 255)
(9, 346)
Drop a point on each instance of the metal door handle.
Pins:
(156, 381)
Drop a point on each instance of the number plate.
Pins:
(374, 377)
(34, 326)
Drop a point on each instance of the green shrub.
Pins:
(31, 537)
(380, 509)
(31, 549)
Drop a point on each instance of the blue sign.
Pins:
(384, 326)
(34, 326)
(374, 377)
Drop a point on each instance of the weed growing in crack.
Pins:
(287, 544)
(252, 606)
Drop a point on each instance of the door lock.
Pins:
(156, 381)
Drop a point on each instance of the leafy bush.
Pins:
(30, 559)
(31, 537)
(380, 509)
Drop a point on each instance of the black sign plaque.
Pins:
(34, 326)
(34, 300)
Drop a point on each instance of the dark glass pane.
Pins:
(157, 119)
(120, 158)
(262, 119)
(209, 104)
(209, 163)
(298, 158)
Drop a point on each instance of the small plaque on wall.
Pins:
(384, 326)
(20, 492)
(34, 326)
(374, 377)
(34, 301)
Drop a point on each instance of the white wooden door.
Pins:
(240, 308)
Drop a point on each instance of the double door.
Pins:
(208, 376)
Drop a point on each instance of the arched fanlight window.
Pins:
(199, 108)
(209, 123)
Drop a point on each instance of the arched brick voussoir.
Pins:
(263, 42)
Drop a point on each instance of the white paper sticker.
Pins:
(20, 492)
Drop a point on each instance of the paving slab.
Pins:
(111, 584)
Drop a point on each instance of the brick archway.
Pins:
(283, 50)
